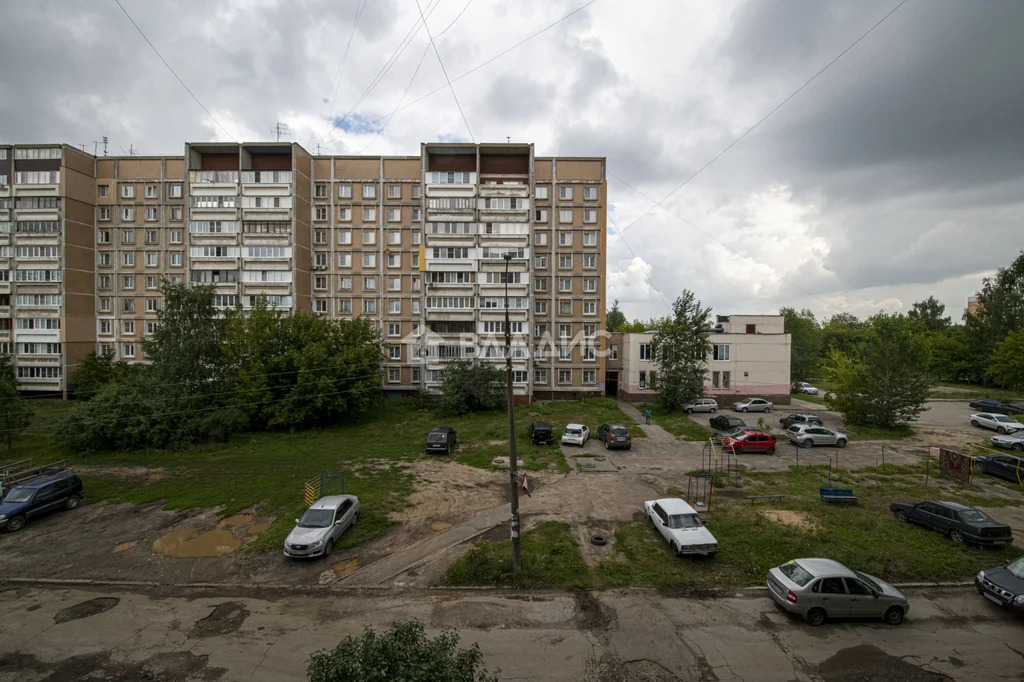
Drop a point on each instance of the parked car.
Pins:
(752, 405)
(817, 589)
(800, 419)
(997, 422)
(1003, 466)
(39, 496)
(1004, 585)
(614, 436)
(750, 442)
(1010, 441)
(442, 439)
(998, 406)
(719, 436)
(702, 405)
(321, 526)
(726, 423)
(804, 387)
(575, 434)
(681, 527)
(961, 523)
(541, 434)
(809, 435)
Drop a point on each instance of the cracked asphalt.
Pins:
(167, 633)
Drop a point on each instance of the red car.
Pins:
(751, 442)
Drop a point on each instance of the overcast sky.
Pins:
(895, 175)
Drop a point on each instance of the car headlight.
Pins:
(1019, 599)
(3, 517)
(980, 576)
(316, 543)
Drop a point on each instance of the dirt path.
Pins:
(655, 433)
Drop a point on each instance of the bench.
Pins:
(837, 495)
(763, 497)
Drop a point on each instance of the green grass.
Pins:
(818, 399)
(879, 433)
(551, 559)
(976, 392)
(680, 425)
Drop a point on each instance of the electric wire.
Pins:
(445, 72)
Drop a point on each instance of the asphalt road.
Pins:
(176, 634)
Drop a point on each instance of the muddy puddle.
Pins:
(192, 543)
(440, 526)
(124, 546)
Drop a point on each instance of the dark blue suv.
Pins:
(39, 496)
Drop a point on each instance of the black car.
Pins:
(441, 439)
(541, 434)
(794, 418)
(996, 406)
(1004, 586)
(1002, 466)
(724, 422)
(614, 436)
(960, 522)
(39, 496)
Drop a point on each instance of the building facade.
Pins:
(415, 244)
(750, 356)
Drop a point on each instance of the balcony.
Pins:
(505, 190)
(213, 178)
(281, 178)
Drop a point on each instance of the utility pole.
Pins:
(517, 558)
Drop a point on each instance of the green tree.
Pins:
(614, 318)
(472, 386)
(1006, 367)
(15, 412)
(842, 332)
(1000, 313)
(185, 348)
(94, 372)
(949, 356)
(404, 652)
(806, 343)
(680, 350)
(884, 380)
(929, 313)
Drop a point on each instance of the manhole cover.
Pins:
(589, 465)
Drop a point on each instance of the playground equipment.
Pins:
(720, 462)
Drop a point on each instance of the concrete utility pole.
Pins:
(517, 558)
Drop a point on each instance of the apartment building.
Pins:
(750, 356)
(416, 244)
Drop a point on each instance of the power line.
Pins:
(445, 72)
(766, 116)
(153, 47)
(341, 65)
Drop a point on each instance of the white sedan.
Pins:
(997, 422)
(805, 387)
(681, 527)
(575, 434)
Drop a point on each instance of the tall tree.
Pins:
(884, 380)
(929, 313)
(1007, 365)
(949, 356)
(615, 318)
(15, 412)
(1000, 313)
(806, 343)
(185, 348)
(680, 350)
(472, 386)
(94, 372)
(842, 332)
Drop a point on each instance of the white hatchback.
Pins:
(681, 527)
(575, 434)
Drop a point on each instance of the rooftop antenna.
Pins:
(281, 129)
(105, 140)
(130, 151)
(508, 139)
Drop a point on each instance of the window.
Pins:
(105, 259)
(394, 329)
(614, 352)
(588, 353)
(152, 236)
(394, 283)
(540, 215)
(415, 258)
(541, 192)
(320, 191)
(643, 379)
(720, 351)
(369, 307)
(369, 191)
(128, 237)
(565, 376)
(175, 192)
(344, 214)
(128, 214)
(319, 236)
(176, 213)
(320, 306)
(128, 191)
(589, 286)
(715, 382)
(394, 237)
(645, 351)
(152, 260)
(344, 284)
(540, 261)
(344, 260)
(106, 327)
(589, 215)
(128, 282)
(565, 307)
(175, 237)
(540, 238)
(103, 190)
(394, 260)
(394, 215)
(128, 327)
(345, 307)
(415, 306)
(320, 260)
(415, 283)
(417, 191)
(565, 192)
(152, 282)
(104, 281)
(565, 284)
(394, 375)
(150, 328)
(344, 191)
(321, 213)
(150, 305)
(103, 237)
(103, 213)
(540, 284)
(416, 216)
(128, 305)
(590, 307)
(176, 260)
(565, 238)
(564, 331)
(369, 260)
(565, 215)
(369, 284)
(726, 379)
(589, 262)
(320, 282)
(128, 259)
(541, 308)
(590, 239)
(394, 191)
(394, 352)
(151, 192)
(369, 214)
(590, 194)
(344, 237)
(104, 305)
(540, 376)
(565, 262)
(589, 331)
(128, 350)
(590, 376)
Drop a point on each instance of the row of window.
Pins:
(150, 213)
(150, 191)
(152, 259)
(244, 252)
(37, 177)
(540, 376)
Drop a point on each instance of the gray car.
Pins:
(816, 589)
(701, 405)
(752, 405)
(321, 526)
(809, 435)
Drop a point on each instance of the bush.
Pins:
(472, 386)
(404, 652)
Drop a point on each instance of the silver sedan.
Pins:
(816, 589)
(997, 422)
(321, 526)
(809, 435)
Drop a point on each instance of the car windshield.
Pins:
(19, 495)
(620, 432)
(573, 432)
(796, 573)
(316, 518)
(1016, 567)
(435, 438)
(1003, 418)
(871, 583)
(974, 516)
(684, 521)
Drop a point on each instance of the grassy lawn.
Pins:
(679, 424)
(879, 433)
(268, 470)
(866, 536)
(975, 392)
(818, 399)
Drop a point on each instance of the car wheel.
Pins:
(974, 423)
(72, 502)
(15, 524)
(606, 446)
(841, 443)
(767, 410)
(650, 520)
(807, 443)
(675, 550)
(713, 410)
(979, 468)
(689, 410)
(956, 536)
(815, 617)
(736, 450)
(1000, 429)
(894, 616)
(770, 451)
(355, 519)
(329, 547)
(1018, 447)
(902, 515)
(744, 410)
